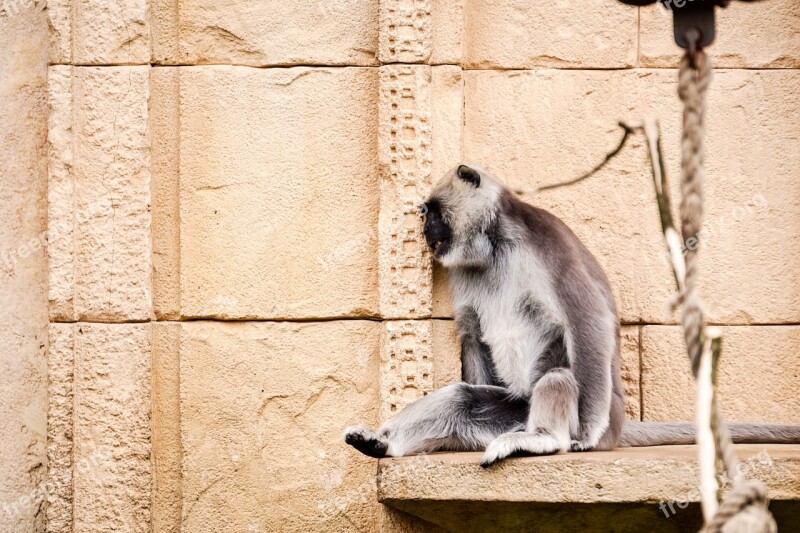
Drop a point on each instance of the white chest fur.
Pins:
(516, 341)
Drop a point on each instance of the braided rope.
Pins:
(693, 80)
(744, 509)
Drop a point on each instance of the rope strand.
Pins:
(744, 509)
(693, 82)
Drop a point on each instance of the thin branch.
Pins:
(627, 132)
(671, 235)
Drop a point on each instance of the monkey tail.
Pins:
(636, 433)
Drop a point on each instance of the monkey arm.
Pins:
(592, 343)
(476, 356)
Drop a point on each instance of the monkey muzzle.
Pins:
(439, 247)
(437, 232)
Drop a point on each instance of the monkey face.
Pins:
(437, 232)
(460, 209)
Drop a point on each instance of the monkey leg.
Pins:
(459, 417)
(552, 418)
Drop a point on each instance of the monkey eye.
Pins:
(423, 209)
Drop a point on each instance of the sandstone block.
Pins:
(447, 31)
(630, 369)
(536, 128)
(757, 35)
(447, 118)
(442, 305)
(23, 266)
(111, 442)
(421, 31)
(61, 230)
(279, 183)
(99, 226)
(325, 32)
(60, 414)
(99, 33)
(446, 353)
(758, 377)
(166, 424)
(263, 408)
(59, 21)
(165, 190)
(638, 489)
(634, 475)
(552, 33)
(447, 123)
(164, 32)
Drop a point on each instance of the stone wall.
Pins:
(23, 265)
(236, 270)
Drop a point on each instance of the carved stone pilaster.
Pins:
(406, 364)
(405, 161)
(417, 103)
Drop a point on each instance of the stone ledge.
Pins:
(561, 492)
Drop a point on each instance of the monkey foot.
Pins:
(580, 446)
(366, 441)
(520, 444)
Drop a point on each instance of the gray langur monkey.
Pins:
(539, 340)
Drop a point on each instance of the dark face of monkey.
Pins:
(437, 233)
(459, 212)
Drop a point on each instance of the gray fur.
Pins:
(459, 417)
(476, 357)
(539, 340)
(637, 433)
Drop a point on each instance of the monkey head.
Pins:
(461, 217)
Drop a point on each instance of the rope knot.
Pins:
(744, 510)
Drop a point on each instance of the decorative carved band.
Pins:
(405, 31)
(405, 162)
(406, 364)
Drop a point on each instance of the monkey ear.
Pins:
(469, 175)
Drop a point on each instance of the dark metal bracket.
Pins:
(694, 23)
(693, 20)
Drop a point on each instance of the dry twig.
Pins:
(627, 130)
